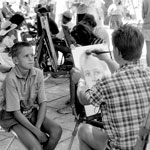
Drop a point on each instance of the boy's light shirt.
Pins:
(29, 91)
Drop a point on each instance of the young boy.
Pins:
(122, 97)
(24, 109)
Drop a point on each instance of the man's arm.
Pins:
(112, 64)
(81, 92)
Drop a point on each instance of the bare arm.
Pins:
(26, 123)
(81, 92)
(41, 114)
(112, 64)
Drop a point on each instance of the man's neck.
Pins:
(124, 62)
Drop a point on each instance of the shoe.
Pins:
(65, 110)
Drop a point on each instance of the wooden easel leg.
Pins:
(73, 134)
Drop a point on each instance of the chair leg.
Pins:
(10, 143)
(73, 134)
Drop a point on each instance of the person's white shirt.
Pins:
(70, 25)
(102, 33)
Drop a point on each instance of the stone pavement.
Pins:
(57, 90)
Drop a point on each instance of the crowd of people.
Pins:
(118, 85)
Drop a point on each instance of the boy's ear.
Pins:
(15, 60)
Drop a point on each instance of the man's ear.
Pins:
(117, 51)
(15, 60)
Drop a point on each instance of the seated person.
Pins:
(66, 21)
(24, 105)
(7, 39)
(97, 30)
(123, 97)
(19, 20)
(83, 35)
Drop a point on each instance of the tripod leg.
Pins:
(73, 134)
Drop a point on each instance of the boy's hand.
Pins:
(41, 136)
(76, 75)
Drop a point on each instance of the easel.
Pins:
(45, 41)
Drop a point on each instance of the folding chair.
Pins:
(78, 111)
(143, 141)
(13, 137)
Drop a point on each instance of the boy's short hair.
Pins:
(17, 47)
(129, 41)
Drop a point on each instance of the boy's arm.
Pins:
(25, 122)
(41, 114)
(81, 92)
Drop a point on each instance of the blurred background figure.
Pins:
(25, 9)
(116, 13)
(61, 7)
(7, 11)
(97, 29)
(66, 21)
(87, 6)
(146, 27)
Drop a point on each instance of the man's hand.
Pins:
(99, 53)
(76, 75)
(105, 56)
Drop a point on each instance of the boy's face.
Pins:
(25, 58)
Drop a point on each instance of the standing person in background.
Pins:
(66, 21)
(116, 13)
(61, 6)
(146, 27)
(99, 4)
(26, 9)
(85, 6)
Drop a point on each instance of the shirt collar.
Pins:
(19, 74)
(129, 65)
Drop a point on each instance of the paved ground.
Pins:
(57, 90)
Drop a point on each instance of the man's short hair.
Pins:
(129, 41)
